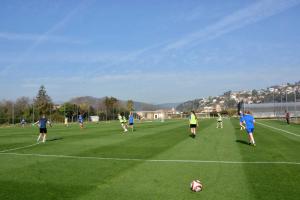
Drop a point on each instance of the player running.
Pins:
(249, 121)
(80, 121)
(131, 121)
(193, 124)
(123, 121)
(43, 128)
(219, 121)
(241, 121)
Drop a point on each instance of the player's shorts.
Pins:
(250, 130)
(220, 121)
(130, 124)
(193, 125)
(43, 130)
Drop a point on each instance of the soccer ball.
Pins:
(196, 186)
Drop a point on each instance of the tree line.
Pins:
(12, 112)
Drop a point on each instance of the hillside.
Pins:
(276, 93)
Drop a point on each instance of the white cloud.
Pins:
(37, 37)
(249, 15)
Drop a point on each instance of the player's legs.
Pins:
(124, 127)
(39, 137)
(194, 132)
(44, 137)
(131, 126)
(251, 137)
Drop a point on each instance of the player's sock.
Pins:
(38, 138)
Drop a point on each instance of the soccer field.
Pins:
(157, 161)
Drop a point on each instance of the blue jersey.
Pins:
(80, 119)
(241, 118)
(131, 119)
(249, 121)
(43, 122)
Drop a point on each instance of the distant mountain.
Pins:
(92, 101)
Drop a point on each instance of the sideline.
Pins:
(24, 147)
(278, 129)
(145, 160)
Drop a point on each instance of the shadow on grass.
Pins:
(242, 142)
(54, 139)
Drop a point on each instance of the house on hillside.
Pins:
(158, 114)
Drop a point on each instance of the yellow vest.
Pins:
(193, 119)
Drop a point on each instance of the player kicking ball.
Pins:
(42, 123)
(249, 121)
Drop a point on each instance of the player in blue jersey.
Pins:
(242, 121)
(80, 121)
(42, 123)
(249, 121)
(131, 121)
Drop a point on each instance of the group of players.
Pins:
(43, 121)
(247, 122)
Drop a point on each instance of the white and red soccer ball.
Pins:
(196, 186)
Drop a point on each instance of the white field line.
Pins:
(288, 132)
(24, 147)
(146, 160)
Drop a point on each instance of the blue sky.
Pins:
(153, 51)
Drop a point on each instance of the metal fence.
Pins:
(274, 110)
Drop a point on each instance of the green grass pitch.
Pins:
(157, 161)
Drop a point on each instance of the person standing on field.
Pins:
(193, 124)
(43, 128)
(131, 121)
(287, 117)
(242, 121)
(219, 121)
(80, 121)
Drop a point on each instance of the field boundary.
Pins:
(17, 148)
(288, 132)
(153, 160)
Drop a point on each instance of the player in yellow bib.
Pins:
(193, 124)
(123, 121)
(219, 121)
